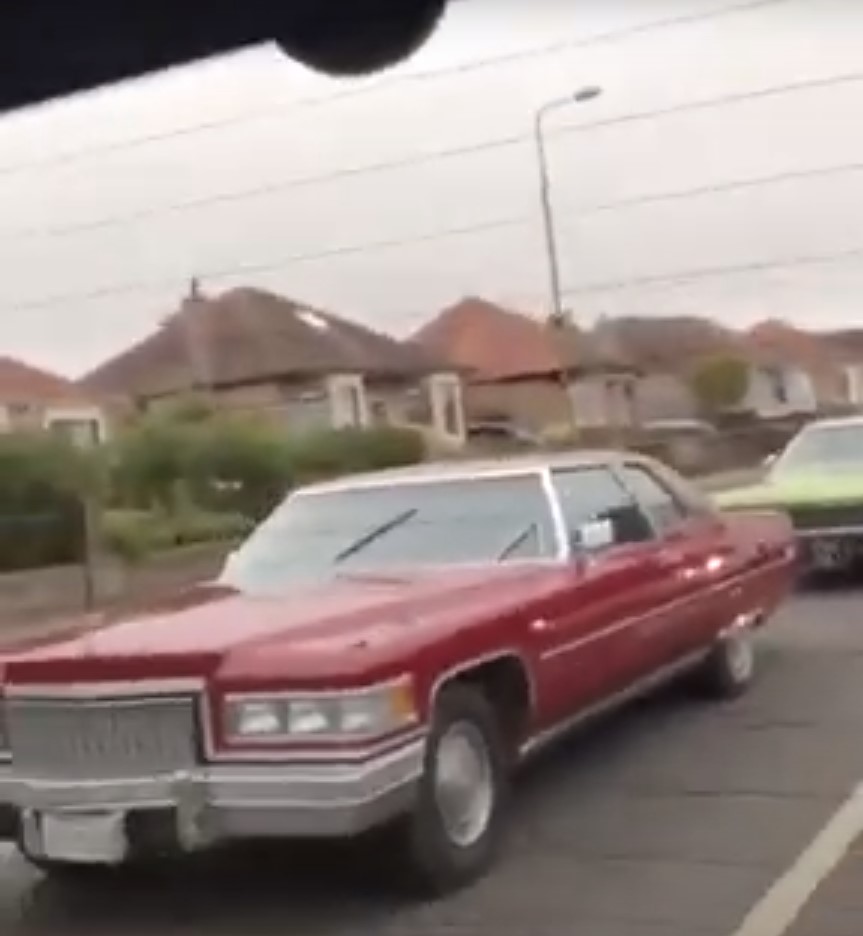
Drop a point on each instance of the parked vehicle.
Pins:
(384, 651)
(818, 481)
(504, 434)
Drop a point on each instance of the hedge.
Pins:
(184, 476)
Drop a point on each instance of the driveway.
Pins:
(672, 819)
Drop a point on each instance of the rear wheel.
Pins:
(452, 834)
(730, 668)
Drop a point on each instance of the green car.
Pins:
(818, 481)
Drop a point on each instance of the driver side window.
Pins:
(665, 510)
(598, 511)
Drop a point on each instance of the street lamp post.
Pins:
(581, 96)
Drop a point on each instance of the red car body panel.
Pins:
(583, 631)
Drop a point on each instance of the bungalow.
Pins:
(534, 375)
(35, 399)
(255, 350)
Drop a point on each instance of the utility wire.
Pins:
(481, 227)
(684, 276)
(703, 273)
(408, 162)
(387, 84)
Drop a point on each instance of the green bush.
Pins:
(134, 535)
(188, 474)
(223, 462)
(334, 452)
(43, 480)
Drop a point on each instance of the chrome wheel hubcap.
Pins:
(740, 654)
(464, 784)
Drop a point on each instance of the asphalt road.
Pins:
(671, 819)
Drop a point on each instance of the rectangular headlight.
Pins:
(372, 712)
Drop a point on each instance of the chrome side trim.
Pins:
(584, 641)
(642, 687)
(580, 642)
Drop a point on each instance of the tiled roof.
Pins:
(497, 344)
(248, 335)
(778, 342)
(23, 383)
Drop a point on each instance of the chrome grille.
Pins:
(106, 739)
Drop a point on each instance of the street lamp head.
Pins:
(587, 93)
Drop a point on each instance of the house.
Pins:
(791, 371)
(664, 349)
(255, 350)
(846, 347)
(537, 376)
(802, 372)
(31, 398)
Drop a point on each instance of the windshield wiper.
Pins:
(518, 541)
(376, 533)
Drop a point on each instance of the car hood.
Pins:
(797, 490)
(346, 623)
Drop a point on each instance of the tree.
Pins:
(720, 382)
(44, 483)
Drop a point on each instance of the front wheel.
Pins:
(730, 668)
(452, 834)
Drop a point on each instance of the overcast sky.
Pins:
(251, 169)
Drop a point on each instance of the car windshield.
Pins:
(315, 536)
(827, 447)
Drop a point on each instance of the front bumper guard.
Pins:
(219, 802)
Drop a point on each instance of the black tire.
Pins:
(730, 668)
(437, 863)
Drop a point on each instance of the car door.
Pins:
(694, 547)
(590, 648)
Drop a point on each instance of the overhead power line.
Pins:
(420, 159)
(366, 89)
(440, 234)
(702, 273)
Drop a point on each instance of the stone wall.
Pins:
(42, 595)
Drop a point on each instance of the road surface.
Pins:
(674, 818)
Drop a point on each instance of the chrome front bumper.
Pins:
(216, 803)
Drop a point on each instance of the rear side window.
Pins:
(659, 502)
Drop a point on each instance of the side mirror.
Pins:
(594, 535)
